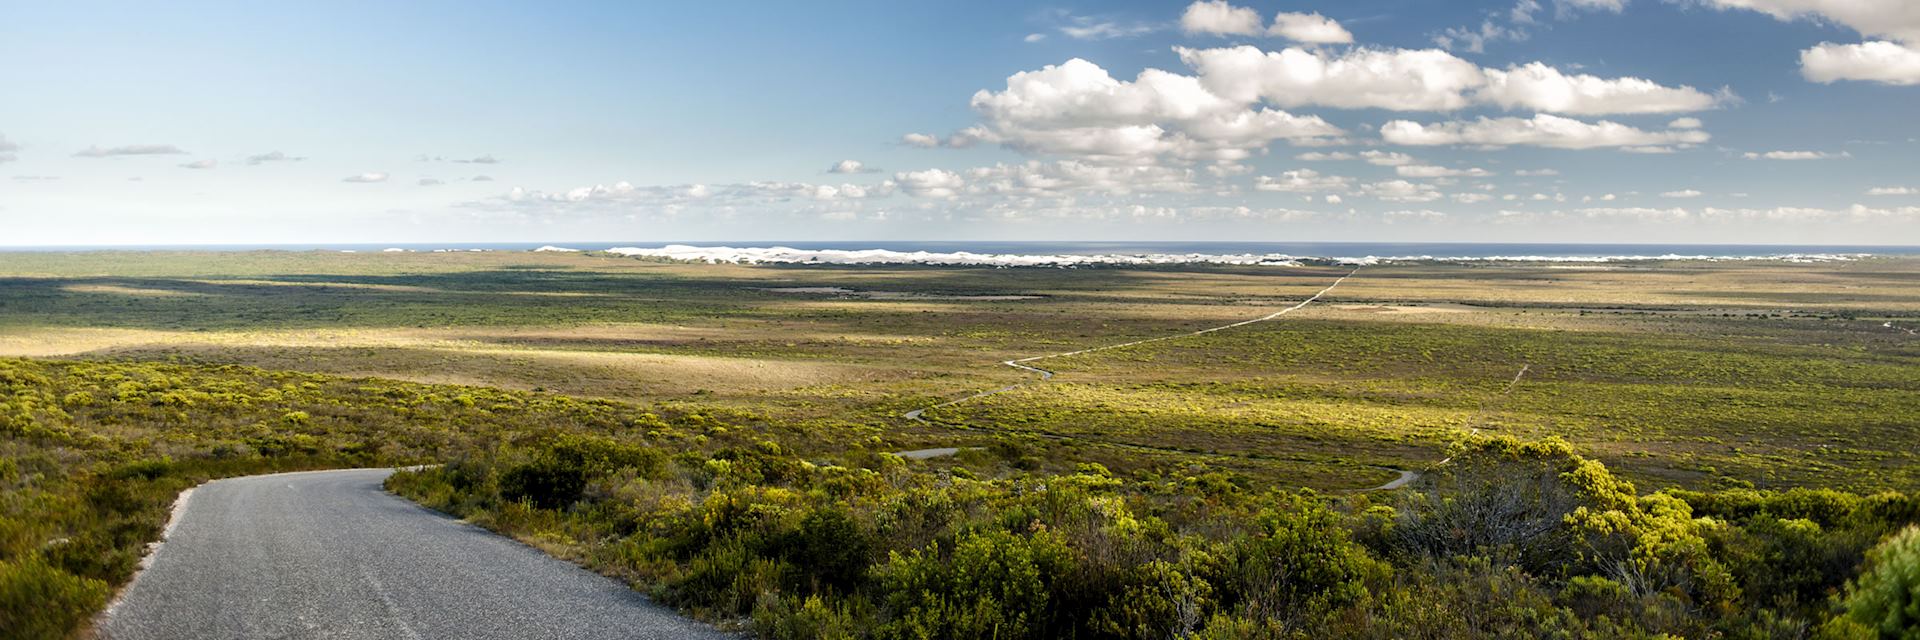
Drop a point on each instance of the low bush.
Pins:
(38, 600)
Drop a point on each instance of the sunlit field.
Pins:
(1689, 374)
(736, 440)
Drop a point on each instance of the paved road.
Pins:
(328, 554)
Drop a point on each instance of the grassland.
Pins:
(1684, 374)
(1668, 437)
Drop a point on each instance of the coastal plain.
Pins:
(1675, 373)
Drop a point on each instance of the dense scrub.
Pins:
(723, 516)
(755, 492)
(1508, 539)
(1690, 373)
(92, 455)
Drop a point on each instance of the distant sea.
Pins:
(1304, 249)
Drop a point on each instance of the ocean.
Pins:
(1438, 250)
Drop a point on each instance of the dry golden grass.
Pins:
(1881, 283)
(637, 330)
(508, 357)
(126, 291)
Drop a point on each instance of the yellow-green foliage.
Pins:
(1510, 538)
(1144, 492)
(1692, 374)
(93, 454)
(1885, 599)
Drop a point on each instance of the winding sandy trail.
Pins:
(1473, 429)
(1406, 476)
(1045, 375)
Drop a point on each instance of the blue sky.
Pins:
(1531, 120)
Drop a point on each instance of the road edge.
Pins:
(146, 560)
(174, 514)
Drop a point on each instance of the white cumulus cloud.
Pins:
(1542, 130)
(930, 183)
(1873, 61)
(1538, 87)
(1036, 179)
(850, 166)
(1231, 107)
(1395, 79)
(1301, 180)
(1311, 28)
(1078, 109)
(1796, 155)
(1897, 19)
(1433, 171)
(1424, 80)
(1386, 158)
(1894, 60)
(1216, 17)
(1401, 191)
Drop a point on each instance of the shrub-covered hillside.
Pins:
(1508, 539)
(804, 532)
(93, 454)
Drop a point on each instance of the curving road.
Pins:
(329, 554)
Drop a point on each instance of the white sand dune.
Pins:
(789, 255)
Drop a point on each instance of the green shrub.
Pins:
(1886, 596)
(40, 601)
(1161, 601)
(776, 618)
(547, 483)
(995, 585)
(727, 579)
(1496, 496)
(1592, 596)
(560, 471)
(1789, 564)
(829, 550)
(1302, 563)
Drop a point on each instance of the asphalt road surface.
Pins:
(328, 554)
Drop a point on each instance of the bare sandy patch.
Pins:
(49, 343)
(893, 295)
(129, 291)
(567, 360)
(1398, 309)
(584, 373)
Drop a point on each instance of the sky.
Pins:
(1651, 121)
